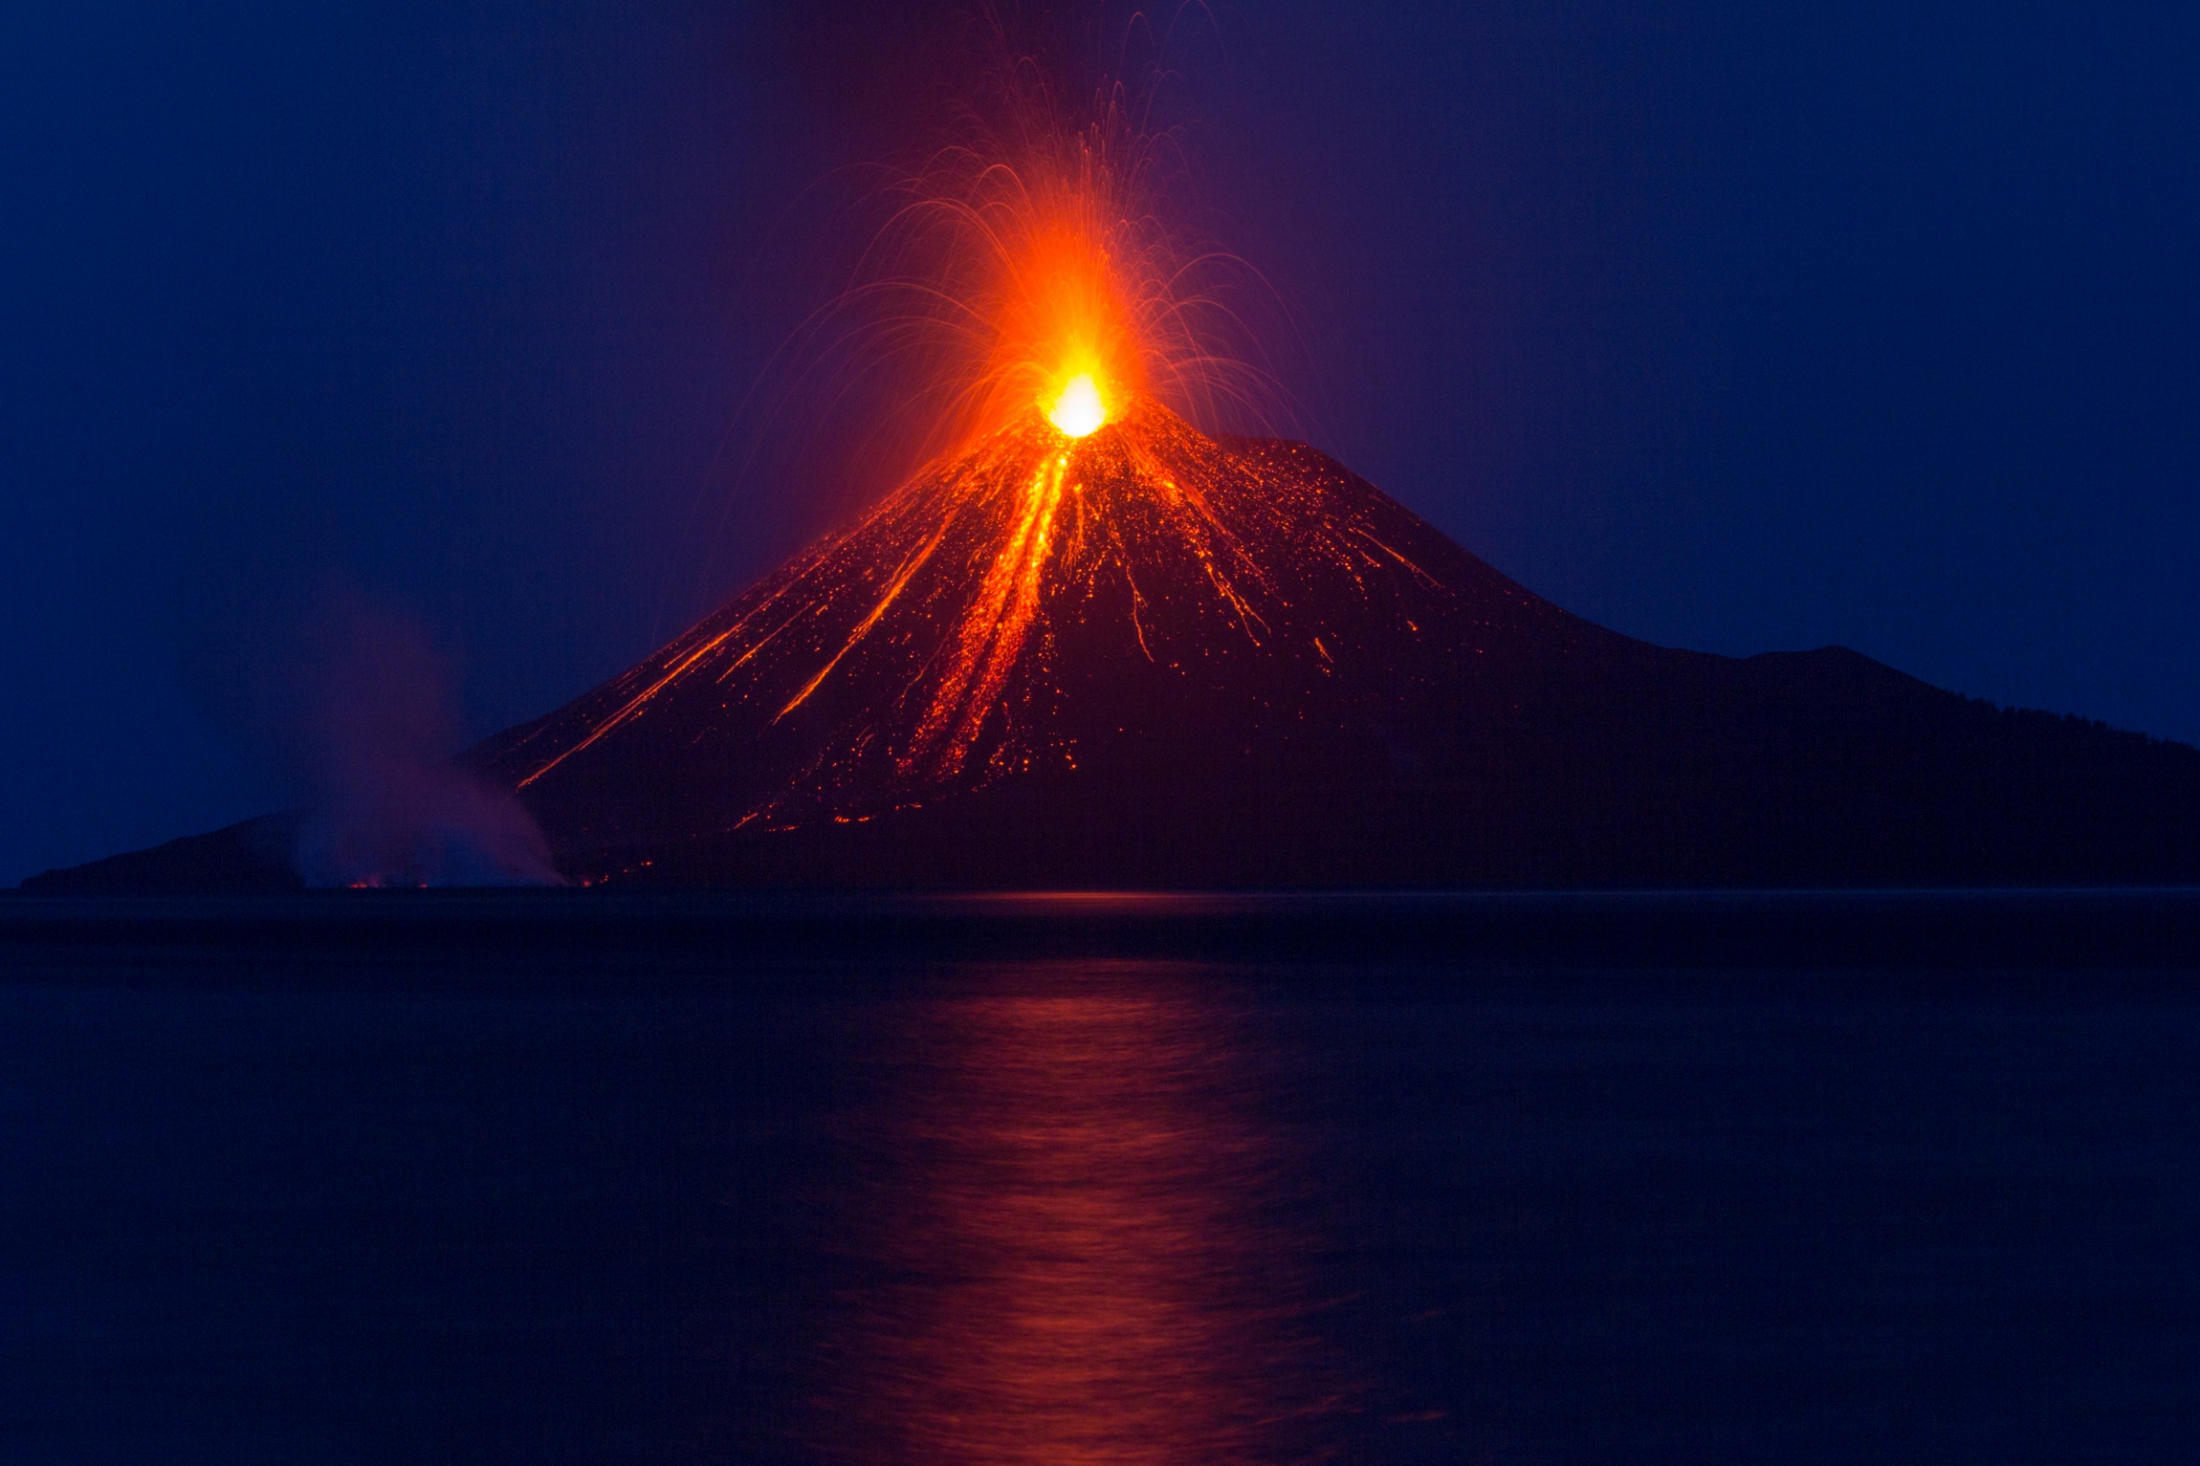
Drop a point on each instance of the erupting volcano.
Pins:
(1088, 643)
(1139, 655)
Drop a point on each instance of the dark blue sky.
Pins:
(1732, 327)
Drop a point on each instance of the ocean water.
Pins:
(1493, 1179)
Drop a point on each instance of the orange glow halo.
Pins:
(1027, 265)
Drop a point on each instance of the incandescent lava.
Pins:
(1070, 600)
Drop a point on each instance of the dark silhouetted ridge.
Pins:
(1149, 658)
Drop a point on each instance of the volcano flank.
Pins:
(1145, 657)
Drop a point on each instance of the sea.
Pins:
(1497, 1178)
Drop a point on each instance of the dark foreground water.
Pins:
(1102, 1180)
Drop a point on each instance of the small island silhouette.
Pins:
(1138, 657)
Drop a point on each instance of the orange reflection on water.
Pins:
(1079, 1246)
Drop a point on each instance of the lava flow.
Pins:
(1052, 605)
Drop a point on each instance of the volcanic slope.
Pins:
(1143, 608)
(1148, 657)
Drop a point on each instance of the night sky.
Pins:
(1740, 328)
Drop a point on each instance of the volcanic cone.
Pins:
(1146, 656)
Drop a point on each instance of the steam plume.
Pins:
(391, 808)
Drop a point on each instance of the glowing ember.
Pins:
(1079, 409)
